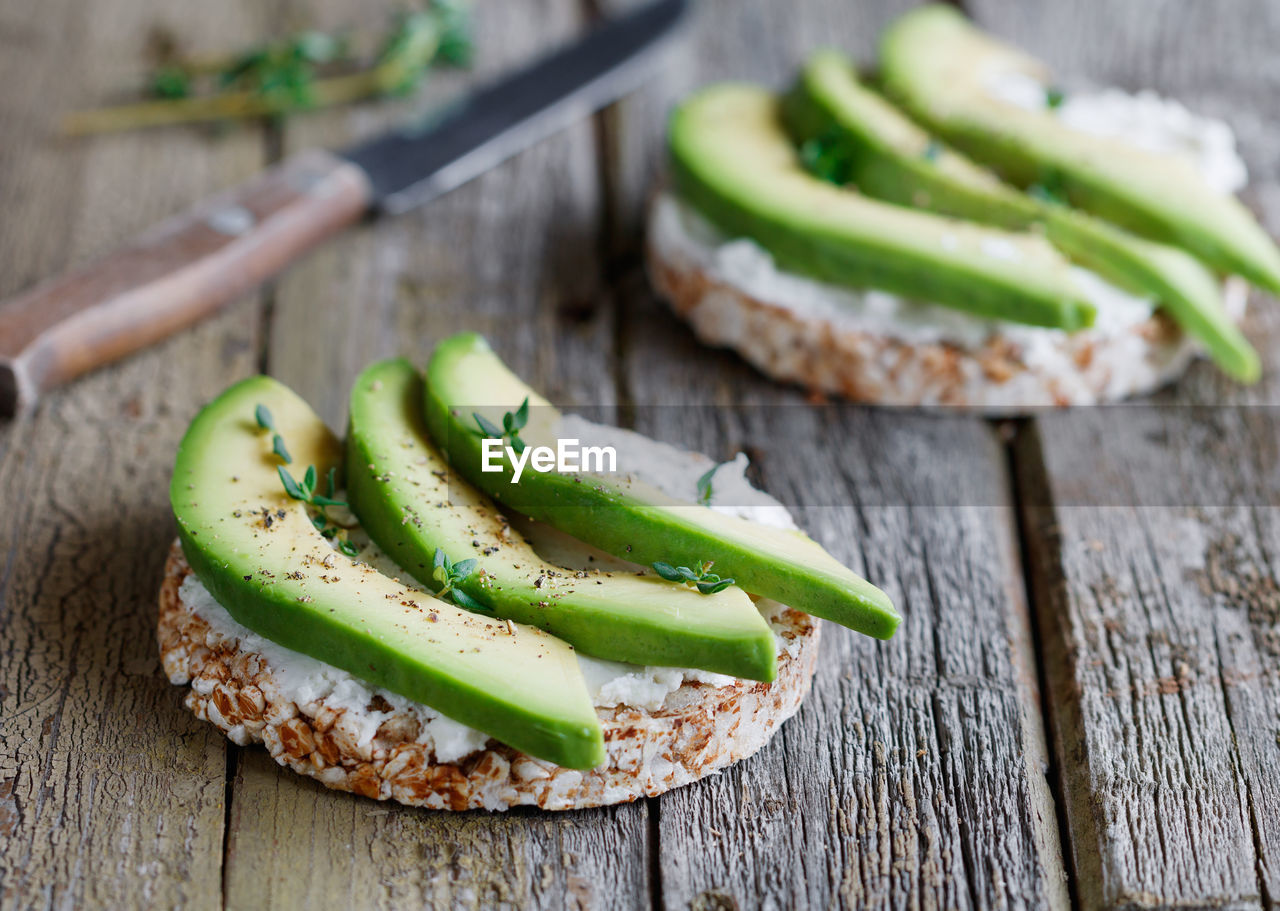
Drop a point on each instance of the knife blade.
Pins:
(184, 269)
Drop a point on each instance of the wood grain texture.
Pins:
(111, 795)
(512, 255)
(915, 774)
(1152, 530)
(296, 844)
(913, 777)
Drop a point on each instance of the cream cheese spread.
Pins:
(303, 680)
(1144, 120)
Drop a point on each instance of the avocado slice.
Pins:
(259, 554)
(938, 65)
(625, 517)
(734, 162)
(886, 155)
(412, 503)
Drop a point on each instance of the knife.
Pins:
(183, 269)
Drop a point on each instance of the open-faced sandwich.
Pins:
(959, 231)
(481, 602)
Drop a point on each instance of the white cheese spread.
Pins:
(303, 680)
(1145, 121)
(676, 471)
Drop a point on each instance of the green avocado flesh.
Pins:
(624, 517)
(411, 502)
(940, 68)
(259, 554)
(734, 162)
(888, 156)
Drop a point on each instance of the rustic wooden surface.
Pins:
(1152, 530)
(1120, 560)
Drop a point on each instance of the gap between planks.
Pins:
(1023, 474)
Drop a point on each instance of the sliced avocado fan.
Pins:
(413, 504)
(883, 153)
(734, 162)
(941, 68)
(625, 517)
(257, 550)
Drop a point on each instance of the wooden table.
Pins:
(1082, 706)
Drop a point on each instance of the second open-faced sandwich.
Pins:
(959, 231)
(478, 601)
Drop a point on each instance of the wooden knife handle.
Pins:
(176, 273)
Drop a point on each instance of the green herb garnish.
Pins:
(828, 158)
(170, 82)
(304, 71)
(305, 490)
(512, 423)
(704, 486)
(1050, 189)
(1053, 97)
(418, 40)
(267, 422)
(702, 578)
(450, 575)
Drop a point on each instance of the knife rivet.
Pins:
(231, 220)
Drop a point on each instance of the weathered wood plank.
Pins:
(1161, 657)
(111, 794)
(914, 776)
(1153, 534)
(296, 845)
(512, 255)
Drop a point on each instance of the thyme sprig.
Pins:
(705, 491)
(701, 578)
(265, 421)
(512, 423)
(450, 575)
(1050, 189)
(828, 157)
(305, 490)
(337, 535)
(304, 71)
